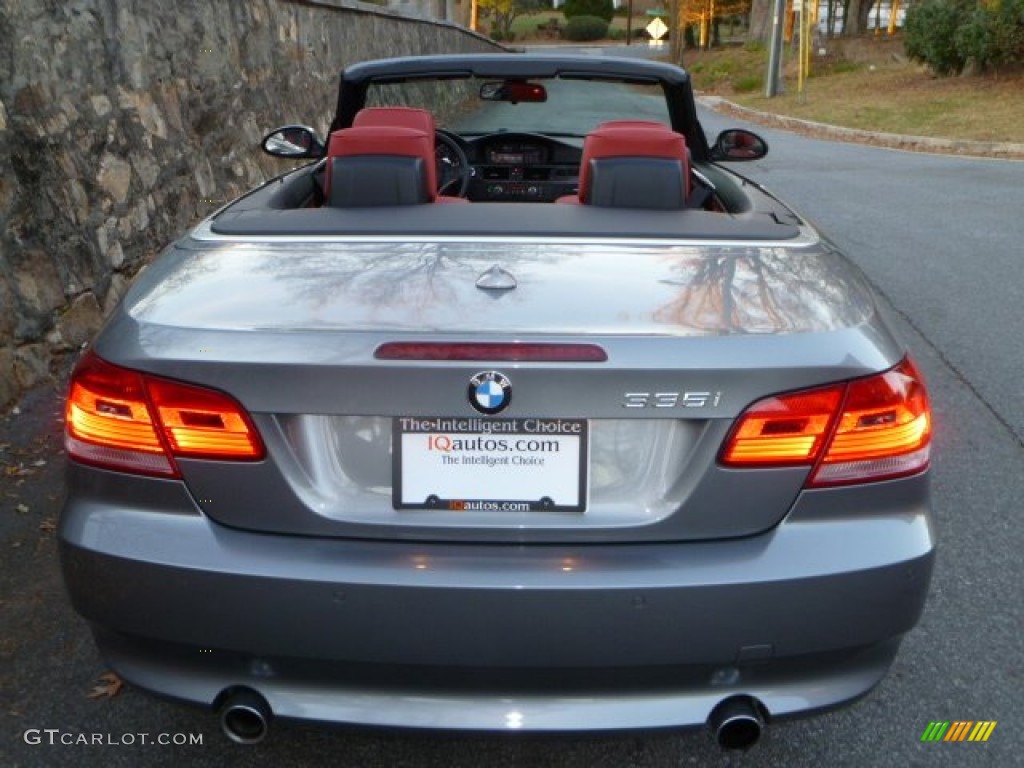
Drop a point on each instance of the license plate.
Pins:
(499, 465)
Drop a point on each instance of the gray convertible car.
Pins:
(511, 408)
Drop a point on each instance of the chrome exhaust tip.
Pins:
(244, 716)
(737, 722)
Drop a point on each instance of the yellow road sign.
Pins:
(657, 29)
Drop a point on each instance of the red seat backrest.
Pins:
(396, 141)
(633, 138)
(652, 124)
(405, 117)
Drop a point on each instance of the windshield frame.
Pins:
(573, 106)
(675, 81)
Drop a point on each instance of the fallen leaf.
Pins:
(109, 686)
(49, 525)
(22, 508)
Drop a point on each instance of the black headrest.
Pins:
(359, 181)
(637, 182)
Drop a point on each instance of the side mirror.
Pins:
(737, 145)
(293, 141)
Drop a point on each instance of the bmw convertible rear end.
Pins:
(499, 467)
(279, 455)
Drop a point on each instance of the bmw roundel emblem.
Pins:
(490, 392)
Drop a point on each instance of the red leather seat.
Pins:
(652, 124)
(404, 117)
(380, 165)
(634, 164)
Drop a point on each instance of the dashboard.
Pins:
(522, 167)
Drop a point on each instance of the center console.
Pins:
(519, 171)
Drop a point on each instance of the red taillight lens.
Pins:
(788, 429)
(108, 421)
(203, 424)
(864, 430)
(122, 419)
(884, 431)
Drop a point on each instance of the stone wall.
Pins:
(122, 122)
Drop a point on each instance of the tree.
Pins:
(830, 17)
(703, 16)
(953, 35)
(856, 15)
(602, 9)
(501, 14)
(760, 27)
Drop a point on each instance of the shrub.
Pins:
(931, 30)
(585, 28)
(602, 9)
(747, 83)
(975, 37)
(947, 34)
(1008, 34)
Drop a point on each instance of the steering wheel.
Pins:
(452, 164)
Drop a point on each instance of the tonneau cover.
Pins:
(508, 220)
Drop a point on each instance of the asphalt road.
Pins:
(941, 239)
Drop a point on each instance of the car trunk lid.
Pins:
(693, 334)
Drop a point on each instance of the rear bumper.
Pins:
(804, 617)
(478, 699)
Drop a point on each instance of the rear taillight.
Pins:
(108, 421)
(863, 430)
(125, 420)
(788, 429)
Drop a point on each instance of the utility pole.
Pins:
(773, 82)
(676, 31)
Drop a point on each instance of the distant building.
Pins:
(640, 7)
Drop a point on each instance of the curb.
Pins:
(1002, 150)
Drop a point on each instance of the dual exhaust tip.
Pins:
(244, 715)
(736, 722)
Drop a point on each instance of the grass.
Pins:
(869, 84)
(865, 83)
(748, 83)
